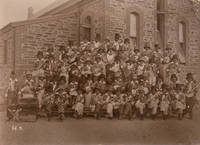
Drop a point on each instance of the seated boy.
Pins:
(165, 102)
(140, 104)
(180, 101)
(79, 107)
(13, 113)
(153, 102)
(28, 90)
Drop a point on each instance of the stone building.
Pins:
(71, 21)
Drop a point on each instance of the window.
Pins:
(98, 37)
(133, 25)
(70, 43)
(87, 34)
(86, 29)
(88, 20)
(182, 37)
(5, 61)
(134, 29)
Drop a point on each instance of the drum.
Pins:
(30, 107)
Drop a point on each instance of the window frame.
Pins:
(182, 44)
(137, 24)
(88, 20)
(140, 14)
(83, 25)
(186, 33)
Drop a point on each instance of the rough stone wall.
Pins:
(116, 22)
(34, 36)
(183, 10)
(31, 36)
(108, 17)
(5, 69)
(95, 9)
(117, 16)
(7, 35)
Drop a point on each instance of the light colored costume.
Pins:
(27, 91)
(140, 69)
(116, 69)
(180, 102)
(40, 93)
(12, 91)
(98, 69)
(140, 105)
(153, 103)
(164, 104)
(110, 109)
(172, 68)
(88, 98)
(110, 58)
(79, 108)
(190, 89)
(152, 76)
(64, 72)
(39, 68)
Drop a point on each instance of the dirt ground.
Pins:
(90, 131)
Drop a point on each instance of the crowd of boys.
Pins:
(125, 82)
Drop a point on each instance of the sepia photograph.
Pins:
(99, 72)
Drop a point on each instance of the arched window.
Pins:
(182, 37)
(86, 28)
(134, 29)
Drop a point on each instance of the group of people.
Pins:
(110, 76)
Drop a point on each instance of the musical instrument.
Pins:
(197, 86)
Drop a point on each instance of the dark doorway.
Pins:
(87, 33)
(161, 16)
